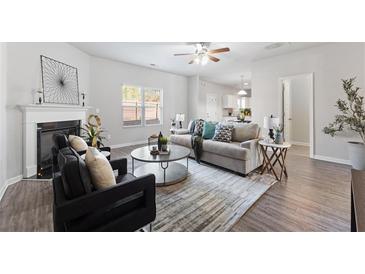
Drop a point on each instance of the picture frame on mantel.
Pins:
(59, 82)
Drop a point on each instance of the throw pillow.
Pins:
(102, 175)
(245, 132)
(209, 130)
(223, 133)
(191, 126)
(77, 143)
(198, 130)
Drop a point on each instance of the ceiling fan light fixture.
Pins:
(204, 60)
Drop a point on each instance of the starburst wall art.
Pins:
(60, 82)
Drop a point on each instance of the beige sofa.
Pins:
(242, 155)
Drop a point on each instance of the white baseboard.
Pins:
(9, 182)
(331, 159)
(129, 144)
(299, 143)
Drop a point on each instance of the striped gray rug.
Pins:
(210, 199)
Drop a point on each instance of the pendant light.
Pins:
(242, 92)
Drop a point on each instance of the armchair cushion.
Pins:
(102, 175)
(76, 179)
(77, 143)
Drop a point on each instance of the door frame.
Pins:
(311, 107)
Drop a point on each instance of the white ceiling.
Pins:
(226, 72)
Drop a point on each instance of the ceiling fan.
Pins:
(203, 54)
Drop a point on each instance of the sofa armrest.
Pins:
(72, 209)
(120, 165)
(181, 131)
(250, 144)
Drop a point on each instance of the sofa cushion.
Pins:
(102, 175)
(245, 132)
(208, 130)
(223, 133)
(77, 143)
(183, 140)
(231, 150)
(76, 179)
(198, 130)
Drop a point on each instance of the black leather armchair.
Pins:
(127, 206)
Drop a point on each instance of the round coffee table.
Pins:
(164, 167)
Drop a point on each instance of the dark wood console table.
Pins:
(357, 200)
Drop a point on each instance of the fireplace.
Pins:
(45, 133)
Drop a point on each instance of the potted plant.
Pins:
(352, 116)
(278, 134)
(163, 142)
(93, 131)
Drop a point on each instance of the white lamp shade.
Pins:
(270, 122)
(180, 117)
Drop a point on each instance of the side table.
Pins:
(278, 156)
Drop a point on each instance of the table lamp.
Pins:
(269, 123)
(180, 117)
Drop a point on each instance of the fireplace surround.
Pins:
(32, 116)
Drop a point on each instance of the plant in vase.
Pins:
(352, 117)
(93, 131)
(278, 134)
(163, 141)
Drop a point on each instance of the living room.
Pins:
(116, 117)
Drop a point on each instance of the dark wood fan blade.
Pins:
(180, 54)
(218, 50)
(214, 59)
(192, 61)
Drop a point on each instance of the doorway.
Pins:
(296, 109)
(212, 106)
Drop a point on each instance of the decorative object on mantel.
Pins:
(93, 131)
(60, 82)
(83, 94)
(352, 117)
(269, 123)
(180, 117)
(40, 94)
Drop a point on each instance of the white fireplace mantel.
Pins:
(34, 114)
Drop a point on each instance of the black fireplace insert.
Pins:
(45, 133)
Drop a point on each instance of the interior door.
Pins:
(212, 107)
(287, 110)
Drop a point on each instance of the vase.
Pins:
(357, 155)
(278, 138)
(164, 147)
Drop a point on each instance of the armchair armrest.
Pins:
(83, 205)
(120, 165)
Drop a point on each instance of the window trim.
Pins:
(143, 108)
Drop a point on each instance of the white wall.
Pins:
(107, 78)
(2, 116)
(198, 90)
(330, 63)
(24, 76)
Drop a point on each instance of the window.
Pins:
(241, 102)
(141, 106)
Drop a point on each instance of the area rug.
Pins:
(210, 199)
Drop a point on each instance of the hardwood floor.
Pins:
(316, 197)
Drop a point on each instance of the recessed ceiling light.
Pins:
(275, 45)
(245, 84)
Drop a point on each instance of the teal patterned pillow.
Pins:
(223, 133)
